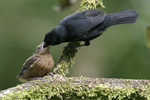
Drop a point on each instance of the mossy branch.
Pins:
(66, 60)
(59, 87)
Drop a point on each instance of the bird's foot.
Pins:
(51, 73)
(35, 78)
(87, 43)
(71, 46)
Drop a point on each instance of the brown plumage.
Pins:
(37, 65)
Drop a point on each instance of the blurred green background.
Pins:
(120, 52)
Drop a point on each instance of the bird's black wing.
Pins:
(79, 23)
(29, 63)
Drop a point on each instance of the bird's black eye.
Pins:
(38, 48)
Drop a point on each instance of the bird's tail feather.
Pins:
(122, 17)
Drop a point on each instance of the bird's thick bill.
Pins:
(45, 45)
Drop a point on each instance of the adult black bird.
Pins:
(87, 25)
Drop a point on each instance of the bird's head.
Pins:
(41, 50)
(54, 37)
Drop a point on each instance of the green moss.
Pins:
(90, 4)
(81, 88)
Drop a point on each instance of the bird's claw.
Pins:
(51, 73)
(35, 78)
(71, 46)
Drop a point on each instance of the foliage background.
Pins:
(120, 52)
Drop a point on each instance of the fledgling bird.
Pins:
(37, 65)
(87, 25)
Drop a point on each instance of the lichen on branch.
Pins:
(90, 4)
(62, 88)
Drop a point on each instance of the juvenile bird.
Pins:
(37, 65)
(87, 25)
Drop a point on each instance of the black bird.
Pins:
(87, 25)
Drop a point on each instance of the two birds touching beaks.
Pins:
(81, 26)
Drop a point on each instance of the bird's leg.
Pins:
(87, 43)
(39, 78)
(35, 78)
(51, 73)
(71, 46)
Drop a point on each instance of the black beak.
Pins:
(45, 45)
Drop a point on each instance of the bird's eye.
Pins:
(38, 48)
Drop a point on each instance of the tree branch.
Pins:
(59, 87)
